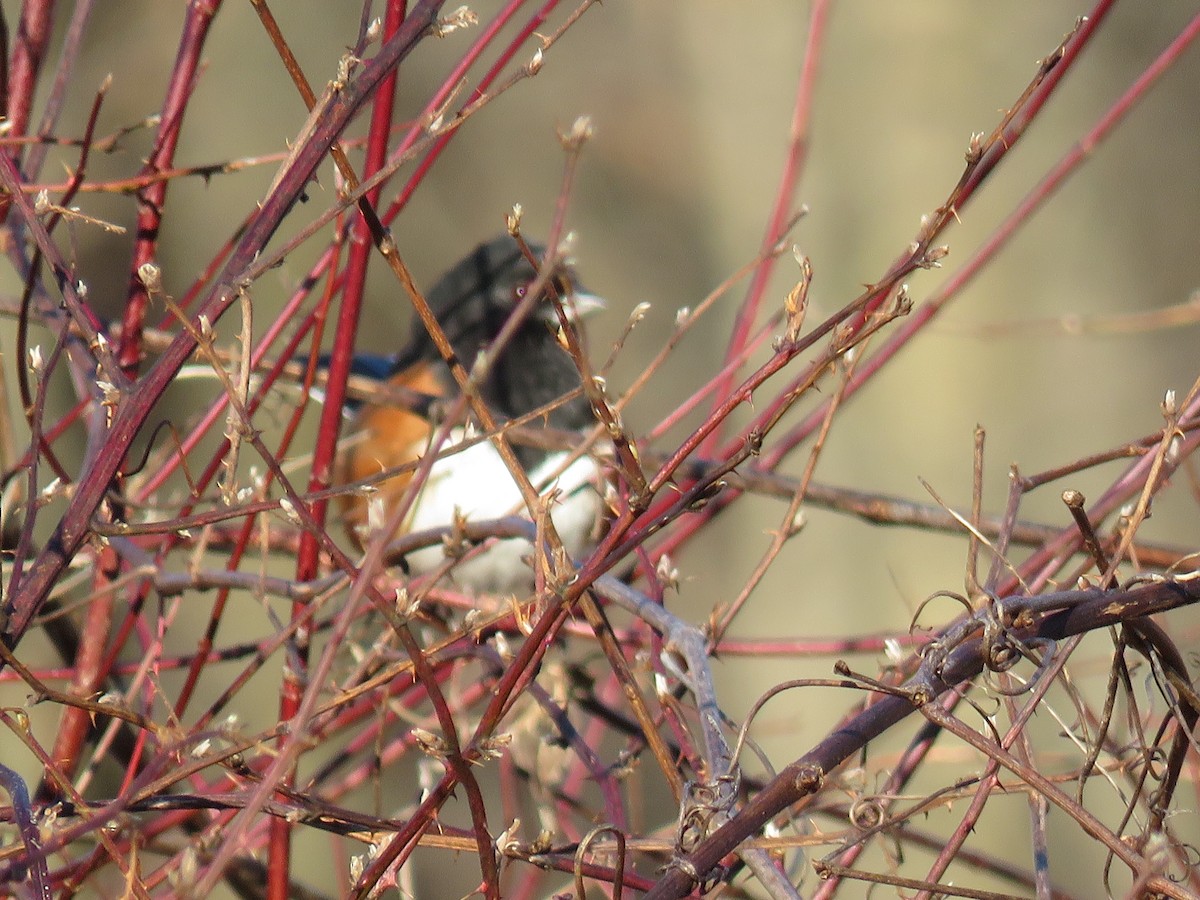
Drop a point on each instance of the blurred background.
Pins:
(691, 104)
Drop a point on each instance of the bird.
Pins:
(472, 302)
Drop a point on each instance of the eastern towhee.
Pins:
(472, 302)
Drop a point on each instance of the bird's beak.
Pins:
(580, 305)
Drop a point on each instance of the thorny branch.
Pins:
(554, 699)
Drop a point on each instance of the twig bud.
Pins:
(151, 277)
(460, 18)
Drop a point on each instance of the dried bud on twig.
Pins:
(580, 133)
(459, 18)
(796, 304)
(513, 220)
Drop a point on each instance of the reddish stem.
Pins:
(789, 180)
(152, 198)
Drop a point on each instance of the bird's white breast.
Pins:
(475, 484)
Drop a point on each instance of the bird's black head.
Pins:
(474, 299)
